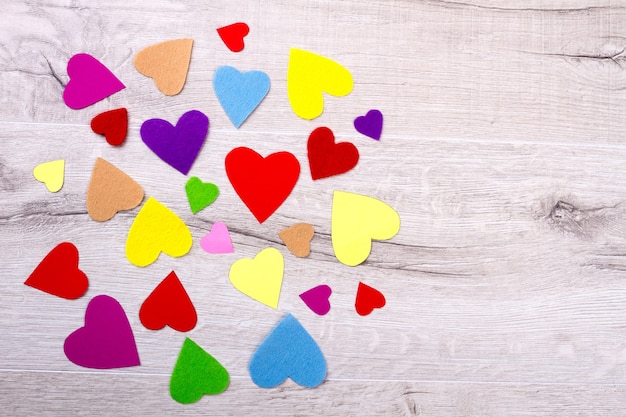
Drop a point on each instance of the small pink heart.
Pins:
(217, 240)
(317, 299)
(90, 82)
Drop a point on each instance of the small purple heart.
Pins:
(370, 125)
(177, 145)
(317, 299)
(107, 339)
(90, 82)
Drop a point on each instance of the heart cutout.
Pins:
(367, 299)
(327, 158)
(357, 219)
(308, 76)
(177, 145)
(297, 238)
(168, 305)
(217, 240)
(58, 273)
(196, 374)
(260, 278)
(90, 82)
(167, 63)
(156, 229)
(111, 190)
(106, 341)
(370, 125)
(239, 93)
(200, 194)
(288, 351)
(317, 299)
(263, 184)
(51, 173)
(113, 124)
(232, 35)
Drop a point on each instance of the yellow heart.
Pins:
(156, 229)
(260, 278)
(51, 173)
(166, 63)
(308, 76)
(357, 219)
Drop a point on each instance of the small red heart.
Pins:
(168, 305)
(113, 124)
(263, 184)
(327, 158)
(367, 299)
(232, 35)
(58, 273)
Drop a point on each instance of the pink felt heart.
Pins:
(218, 240)
(90, 82)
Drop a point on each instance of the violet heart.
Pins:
(177, 145)
(90, 82)
(317, 299)
(370, 125)
(106, 341)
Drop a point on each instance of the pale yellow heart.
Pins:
(166, 63)
(308, 76)
(156, 229)
(51, 173)
(260, 278)
(356, 220)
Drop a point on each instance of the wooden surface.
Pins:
(502, 151)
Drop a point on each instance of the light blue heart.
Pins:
(288, 351)
(240, 93)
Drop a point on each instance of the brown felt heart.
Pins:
(113, 124)
(168, 305)
(327, 158)
(166, 63)
(297, 238)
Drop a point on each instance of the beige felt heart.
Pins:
(166, 63)
(297, 238)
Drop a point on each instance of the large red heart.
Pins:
(113, 124)
(58, 273)
(263, 184)
(367, 299)
(327, 158)
(168, 305)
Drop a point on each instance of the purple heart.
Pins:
(317, 299)
(370, 125)
(107, 339)
(177, 145)
(90, 82)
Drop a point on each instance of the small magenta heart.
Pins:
(232, 35)
(239, 93)
(370, 125)
(218, 240)
(90, 82)
(317, 299)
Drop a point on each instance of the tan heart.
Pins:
(166, 63)
(298, 239)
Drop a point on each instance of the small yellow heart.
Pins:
(308, 76)
(357, 219)
(156, 229)
(51, 173)
(260, 278)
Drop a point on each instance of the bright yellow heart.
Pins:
(51, 173)
(357, 219)
(156, 229)
(260, 278)
(308, 76)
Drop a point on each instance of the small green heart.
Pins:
(195, 374)
(200, 194)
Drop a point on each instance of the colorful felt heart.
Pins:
(196, 374)
(239, 93)
(167, 63)
(263, 184)
(367, 299)
(232, 35)
(370, 125)
(156, 229)
(177, 145)
(288, 351)
(308, 76)
(168, 305)
(110, 191)
(200, 194)
(317, 299)
(357, 219)
(217, 240)
(297, 238)
(327, 158)
(260, 278)
(58, 273)
(90, 82)
(106, 341)
(113, 124)
(51, 173)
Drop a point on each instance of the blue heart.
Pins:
(240, 93)
(288, 351)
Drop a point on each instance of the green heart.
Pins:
(200, 194)
(195, 374)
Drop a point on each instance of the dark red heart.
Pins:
(232, 35)
(367, 299)
(58, 273)
(263, 184)
(327, 158)
(113, 124)
(168, 305)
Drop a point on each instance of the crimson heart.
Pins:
(263, 184)
(232, 35)
(367, 299)
(327, 158)
(113, 124)
(168, 305)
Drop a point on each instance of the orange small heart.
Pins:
(297, 238)
(166, 63)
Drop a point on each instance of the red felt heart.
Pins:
(113, 124)
(58, 273)
(367, 299)
(168, 305)
(263, 184)
(327, 158)
(232, 35)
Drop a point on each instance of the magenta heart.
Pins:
(317, 299)
(90, 82)
(107, 339)
(370, 125)
(177, 145)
